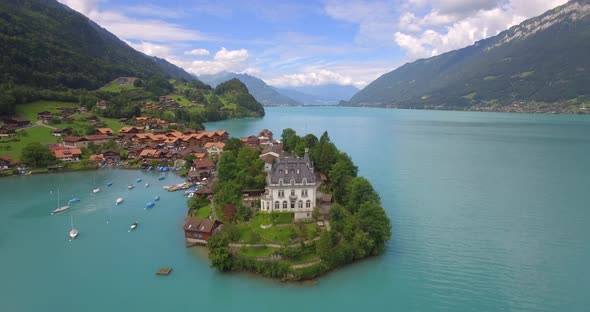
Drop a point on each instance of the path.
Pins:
(40, 123)
(237, 245)
(305, 265)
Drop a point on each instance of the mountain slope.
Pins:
(263, 93)
(542, 64)
(47, 45)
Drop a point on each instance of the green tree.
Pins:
(374, 221)
(233, 145)
(37, 155)
(358, 191)
(342, 172)
(219, 253)
(324, 247)
(138, 83)
(324, 154)
(289, 139)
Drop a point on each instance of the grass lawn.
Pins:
(114, 86)
(29, 111)
(113, 123)
(39, 134)
(252, 232)
(257, 251)
(203, 212)
(181, 99)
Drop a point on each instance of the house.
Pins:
(67, 154)
(111, 156)
(290, 187)
(252, 141)
(129, 130)
(105, 131)
(62, 132)
(75, 142)
(7, 131)
(96, 157)
(102, 104)
(251, 198)
(265, 136)
(229, 211)
(198, 231)
(202, 168)
(149, 154)
(269, 155)
(45, 116)
(5, 162)
(214, 147)
(141, 120)
(16, 122)
(97, 139)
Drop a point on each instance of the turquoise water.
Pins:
(489, 213)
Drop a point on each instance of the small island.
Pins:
(292, 209)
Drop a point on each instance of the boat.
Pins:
(109, 184)
(147, 185)
(161, 177)
(150, 205)
(59, 209)
(138, 180)
(157, 198)
(73, 231)
(74, 200)
(191, 195)
(119, 200)
(96, 190)
(131, 186)
(133, 225)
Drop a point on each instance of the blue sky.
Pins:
(294, 43)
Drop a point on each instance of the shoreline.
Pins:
(469, 109)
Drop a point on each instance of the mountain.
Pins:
(541, 65)
(263, 93)
(329, 94)
(46, 45)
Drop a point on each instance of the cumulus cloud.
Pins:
(224, 60)
(150, 48)
(197, 52)
(317, 77)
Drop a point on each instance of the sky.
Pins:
(304, 42)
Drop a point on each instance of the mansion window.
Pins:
(300, 204)
(304, 193)
(281, 193)
(308, 204)
(277, 205)
(292, 192)
(292, 205)
(285, 205)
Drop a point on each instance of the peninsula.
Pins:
(292, 209)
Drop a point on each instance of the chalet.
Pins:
(129, 130)
(68, 154)
(265, 136)
(198, 231)
(142, 120)
(7, 131)
(252, 141)
(45, 116)
(97, 139)
(214, 148)
(102, 104)
(111, 156)
(92, 118)
(62, 132)
(75, 142)
(96, 157)
(202, 168)
(16, 122)
(105, 131)
(5, 162)
(251, 198)
(270, 154)
(229, 211)
(150, 154)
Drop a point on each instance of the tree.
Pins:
(233, 145)
(374, 221)
(158, 85)
(37, 155)
(324, 247)
(359, 190)
(310, 140)
(341, 173)
(138, 83)
(362, 245)
(289, 138)
(325, 154)
(219, 253)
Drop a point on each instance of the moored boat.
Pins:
(74, 200)
(157, 198)
(119, 200)
(161, 177)
(109, 184)
(133, 225)
(60, 209)
(138, 180)
(150, 205)
(73, 231)
(147, 185)
(130, 187)
(96, 190)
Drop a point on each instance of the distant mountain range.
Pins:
(47, 45)
(541, 65)
(329, 94)
(263, 93)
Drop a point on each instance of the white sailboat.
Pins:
(59, 209)
(73, 231)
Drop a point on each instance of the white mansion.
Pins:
(290, 187)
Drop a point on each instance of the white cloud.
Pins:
(197, 52)
(150, 48)
(224, 60)
(129, 28)
(316, 77)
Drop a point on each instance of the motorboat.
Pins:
(109, 184)
(138, 180)
(150, 205)
(74, 200)
(73, 231)
(133, 225)
(130, 187)
(96, 190)
(147, 185)
(161, 177)
(157, 198)
(119, 200)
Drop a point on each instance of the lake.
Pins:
(489, 212)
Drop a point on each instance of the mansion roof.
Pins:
(292, 168)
